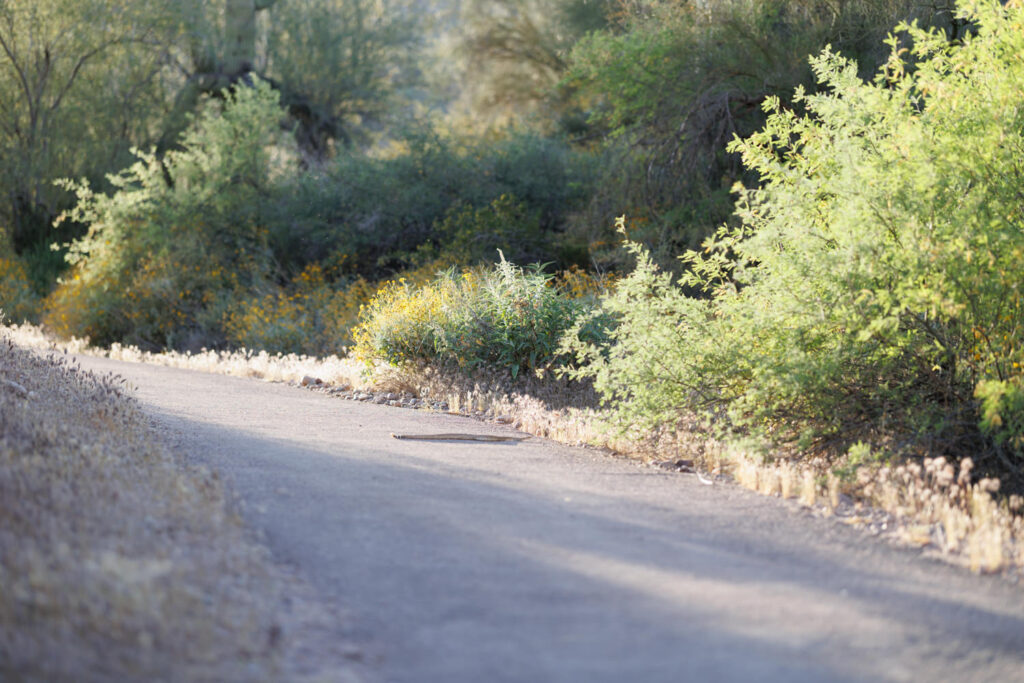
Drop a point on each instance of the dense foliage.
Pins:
(310, 315)
(228, 241)
(75, 94)
(16, 293)
(669, 85)
(621, 107)
(514, 53)
(374, 216)
(82, 82)
(872, 289)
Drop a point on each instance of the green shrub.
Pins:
(181, 236)
(873, 286)
(646, 370)
(503, 317)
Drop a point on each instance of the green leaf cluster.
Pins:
(872, 288)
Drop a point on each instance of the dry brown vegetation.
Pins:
(117, 560)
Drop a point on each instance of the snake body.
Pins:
(457, 437)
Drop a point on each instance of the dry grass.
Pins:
(933, 505)
(260, 365)
(118, 562)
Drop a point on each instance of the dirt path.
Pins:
(470, 561)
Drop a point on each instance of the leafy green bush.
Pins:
(380, 212)
(180, 236)
(873, 287)
(503, 317)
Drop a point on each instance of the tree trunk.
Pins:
(239, 37)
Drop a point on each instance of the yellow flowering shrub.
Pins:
(310, 316)
(398, 324)
(17, 300)
(577, 283)
(170, 299)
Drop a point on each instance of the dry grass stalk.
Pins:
(256, 364)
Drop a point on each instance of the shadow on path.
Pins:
(460, 572)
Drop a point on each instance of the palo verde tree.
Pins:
(514, 53)
(872, 287)
(182, 236)
(669, 85)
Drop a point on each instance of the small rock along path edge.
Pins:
(531, 561)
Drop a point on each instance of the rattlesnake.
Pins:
(457, 437)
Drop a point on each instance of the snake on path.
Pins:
(457, 437)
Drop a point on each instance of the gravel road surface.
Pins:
(534, 562)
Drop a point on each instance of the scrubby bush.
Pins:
(873, 288)
(503, 317)
(309, 316)
(180, 237)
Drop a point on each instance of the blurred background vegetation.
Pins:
(420, 134)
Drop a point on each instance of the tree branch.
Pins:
(14, 62)
(74, 73)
